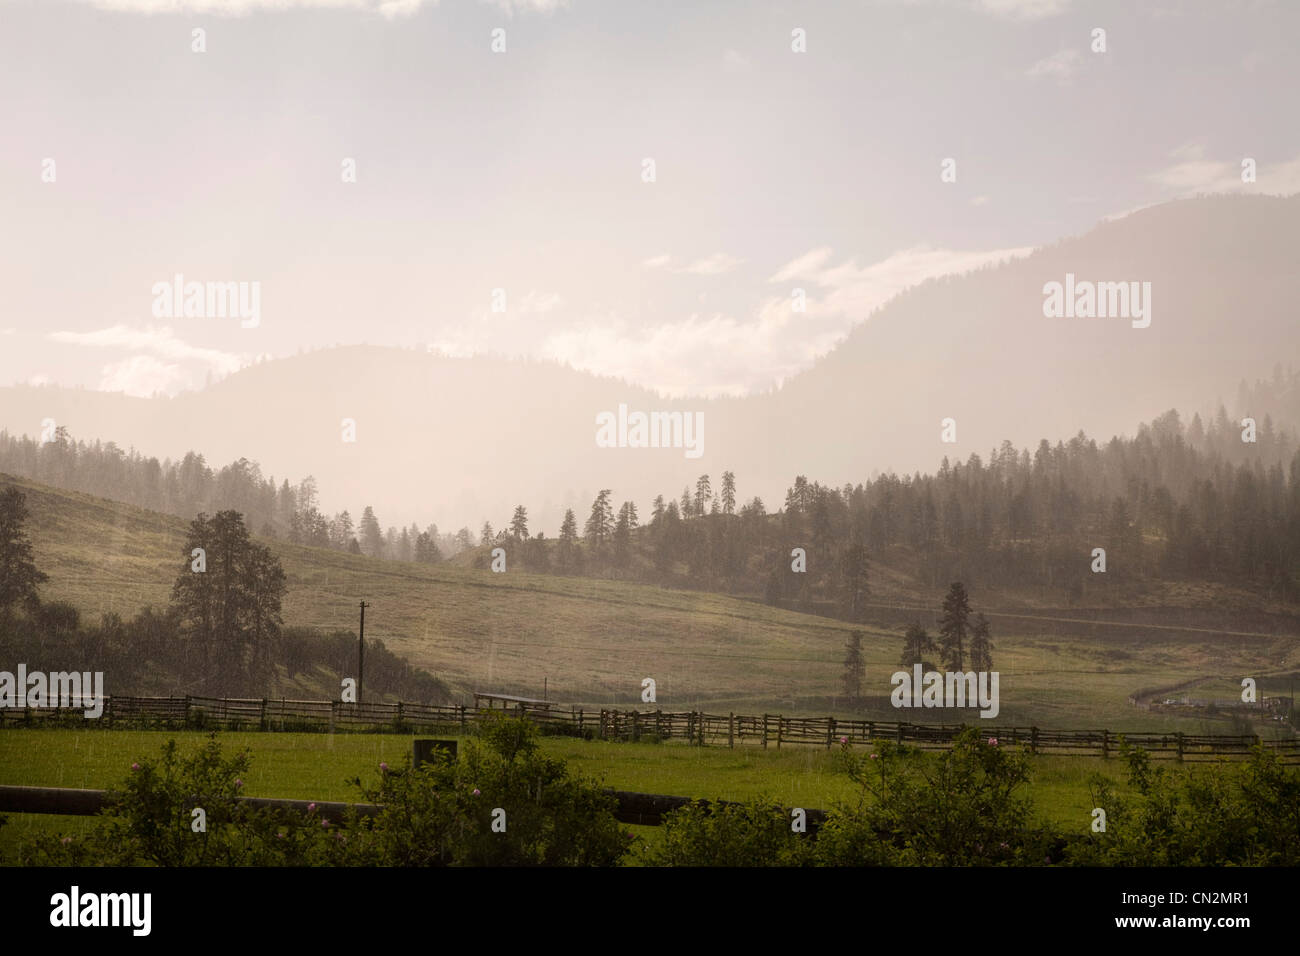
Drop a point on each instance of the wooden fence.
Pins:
(697, 727)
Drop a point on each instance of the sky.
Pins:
(524, 169)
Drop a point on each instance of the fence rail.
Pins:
(697, 727)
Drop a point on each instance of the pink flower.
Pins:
(476, 791)
(844, 740)
(325, 823)
(875, 756)
(135, 766)
(993, 741)
(311, 808)
(280, 835)
(66, 840)
(238, 784)
(384, 767)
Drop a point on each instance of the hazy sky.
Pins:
(523, 170)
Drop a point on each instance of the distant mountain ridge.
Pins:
(460, 440)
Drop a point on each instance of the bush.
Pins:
(437, 815)
(754, 833)
(958, 808)
(1249, 816)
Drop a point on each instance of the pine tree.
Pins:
(854, 668)
(954, 627)
(853, 582)
(600, 524)
(487, 537)
(916, 645)
(703, 494)
(372, 538)
(519, 524)
(981, 648)
(728, 492)
(568, 553)
(19, 576)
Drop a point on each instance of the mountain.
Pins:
(460, 440)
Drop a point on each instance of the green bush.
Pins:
(959, 808)
(754, 833)
(1249, 816)
(439, 814)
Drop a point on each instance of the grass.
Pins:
(592, 642)
(317, 766)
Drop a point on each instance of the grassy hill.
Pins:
(592, 641)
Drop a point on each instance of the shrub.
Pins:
(754, 833)
(1247, 816)
(958, 808)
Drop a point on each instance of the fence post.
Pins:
(1180, 746)
(830, 731)
(765, 731)
(262, 719)
(731, 730)
(779, 721)
(398, 725)
(1033, 739)
(187, 710)
(659, 721)
(463, 726)
(334, 707)
(1105, 744)
(900, 731)
(700, 724)
(579, 721)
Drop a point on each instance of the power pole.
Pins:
(361, 653)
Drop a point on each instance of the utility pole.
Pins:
(361, 653)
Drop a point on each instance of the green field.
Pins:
(317, 766)
(591, 642)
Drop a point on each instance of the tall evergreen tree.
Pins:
(370, 534)
(954, 627)
(917, 644)
(854, 668)
(728, 492)
(19, 576)
(981, 647)
(519, 524)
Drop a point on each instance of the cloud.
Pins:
(715, 352)
(714, 265)
(389, 9)
(979, 201)
(143, 376)
(656, 262)
(1193, 173)
(8, 331)
(511, 7)
(1002, 9)
(145, 372)
(1022, 9)
(1060, 66)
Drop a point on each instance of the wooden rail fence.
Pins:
(697, 727)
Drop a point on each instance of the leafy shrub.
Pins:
(1249, 816)
(754, 833)
(958, 808)
(438, 814)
